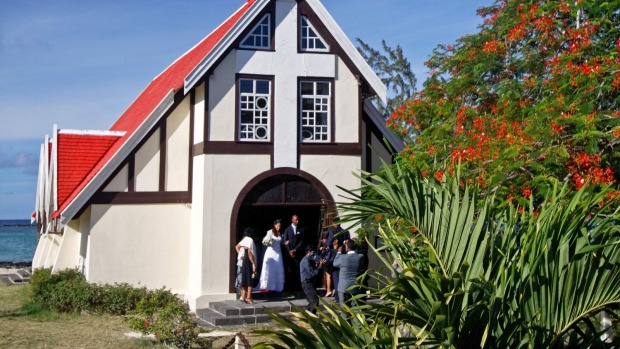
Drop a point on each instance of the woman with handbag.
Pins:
(246, 265)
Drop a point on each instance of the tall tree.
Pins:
(395, 72)
(535, 93)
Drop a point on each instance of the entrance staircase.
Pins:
(236, 313)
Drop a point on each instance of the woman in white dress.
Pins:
(272, 274)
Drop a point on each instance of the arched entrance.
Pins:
(279, 193)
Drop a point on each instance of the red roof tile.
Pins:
(170, 79)
(77, 155)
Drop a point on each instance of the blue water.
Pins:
(18, 240)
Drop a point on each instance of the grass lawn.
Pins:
(20, 328)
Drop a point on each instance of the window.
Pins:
(310, 39)
(260, 36)
(315, 111)
(254, 109)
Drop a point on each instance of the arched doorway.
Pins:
(279, 193)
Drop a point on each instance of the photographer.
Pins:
(310, 266)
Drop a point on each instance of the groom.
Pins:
(294, 251)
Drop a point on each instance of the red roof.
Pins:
(77, 155)
(170, 79)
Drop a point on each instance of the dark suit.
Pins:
(350, 265)
(295, 239)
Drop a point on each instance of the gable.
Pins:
(188, 71)
(143, 114)
(320, 20)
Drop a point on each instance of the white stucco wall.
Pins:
(346, 105)
(333, 170)
(120, 182)
(69, 251)
(222, 101)
(140, 244)
(37, 259)
(84, 241)
(223, 177)
(177, 147)
(147, 165)
(199, 113)
(51, 253)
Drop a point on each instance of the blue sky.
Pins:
(79, 64)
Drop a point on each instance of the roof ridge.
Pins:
(203, 39)
(91, 132)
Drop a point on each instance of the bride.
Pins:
(272, 274)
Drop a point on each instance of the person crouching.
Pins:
(309, 268)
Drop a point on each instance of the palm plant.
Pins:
(493, 276)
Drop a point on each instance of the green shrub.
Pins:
(120, 299)
(158, 312)
(66, 291)
(166, 316)
(72, 295)
(40, 284)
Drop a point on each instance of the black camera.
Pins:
(314, 258)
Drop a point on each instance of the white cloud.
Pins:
(26, 161)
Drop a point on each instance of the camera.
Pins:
(314, 258)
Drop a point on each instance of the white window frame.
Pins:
(259, 128)
(306, 28)
(309, 129)
(264, 32)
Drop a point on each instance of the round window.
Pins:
(261, 102)
(307, 135)
(261, 132)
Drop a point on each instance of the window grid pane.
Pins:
(310, 39)
(315, 111)
(254, 110)
(260, 35)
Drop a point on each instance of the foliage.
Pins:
(494, 276)
(157, 312)
(167, 317)
(306, 330)
(535, 93)
(64, 292)
(395, 72)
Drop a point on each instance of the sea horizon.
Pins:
(18, 240)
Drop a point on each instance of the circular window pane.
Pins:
(261, 132)
(306, 134)
(261, 102)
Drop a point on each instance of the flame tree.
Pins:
(534, 94)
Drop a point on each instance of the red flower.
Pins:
(439, 175)
(147, 323)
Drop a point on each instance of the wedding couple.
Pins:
(290, 241)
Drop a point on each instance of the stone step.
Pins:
(5, 279)
(24, 273)
(14, 279)
(236, 313)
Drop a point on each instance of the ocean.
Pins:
(18, 240)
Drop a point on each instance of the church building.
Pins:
(264, 118)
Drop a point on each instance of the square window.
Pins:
(246, 86)
(322, 88)
(262, 86)
(315, 110)
(254, 109)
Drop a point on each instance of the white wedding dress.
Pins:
(272, 273)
